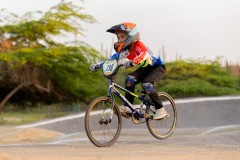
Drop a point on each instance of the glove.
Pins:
(94, 67)
(128, 64)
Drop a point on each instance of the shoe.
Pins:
(160, 113)
(153, 109)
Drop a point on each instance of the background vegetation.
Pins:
(37, 68)
(194, 79)
(39, 74)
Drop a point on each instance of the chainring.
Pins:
(136, 120)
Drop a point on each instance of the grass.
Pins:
(13, 115)
(18, 118)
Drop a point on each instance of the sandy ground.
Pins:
(128, 152)
(35, 143)
(27, 135)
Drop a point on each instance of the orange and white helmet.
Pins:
(130, 29)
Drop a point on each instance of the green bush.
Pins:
(191, 79)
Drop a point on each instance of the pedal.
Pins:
(135, 119)
(149, 116)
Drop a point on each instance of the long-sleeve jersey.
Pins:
(139, 54)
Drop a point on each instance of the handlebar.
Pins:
(120, 65)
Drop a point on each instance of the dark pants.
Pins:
(146, 75)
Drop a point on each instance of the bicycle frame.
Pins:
(112, 89)
(105, 107)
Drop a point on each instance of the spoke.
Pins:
(163, 127)
(103, 132)
(103, 124)
(110, 132)
(99, 132)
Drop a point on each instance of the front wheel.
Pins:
(163, 128)
(103, 122)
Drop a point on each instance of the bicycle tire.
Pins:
(92, 118)
(170, 106)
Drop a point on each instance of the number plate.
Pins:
(109, 67)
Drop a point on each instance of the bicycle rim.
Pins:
(163, 128)
(100, 131)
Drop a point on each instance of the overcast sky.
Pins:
(199, 29)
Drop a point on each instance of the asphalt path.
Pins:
(192, 113)
(207, 128)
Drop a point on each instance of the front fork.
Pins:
(111, 96)
(107, 118)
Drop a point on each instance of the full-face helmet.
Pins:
(132, 34)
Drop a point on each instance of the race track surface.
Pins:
(207, 128)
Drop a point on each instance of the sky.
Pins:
(192, 29)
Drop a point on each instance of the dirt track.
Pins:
(218, 139)
(132, 144)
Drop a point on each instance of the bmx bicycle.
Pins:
(103, 118)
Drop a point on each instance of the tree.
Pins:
(62, 18)
(35, 64)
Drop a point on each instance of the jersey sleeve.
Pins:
(118, 56)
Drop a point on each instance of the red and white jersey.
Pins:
(138, 54)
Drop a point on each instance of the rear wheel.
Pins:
(102, 122)
(163, 128)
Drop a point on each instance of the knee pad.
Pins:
(148, 88)
(130, 81)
